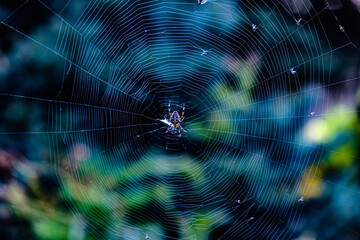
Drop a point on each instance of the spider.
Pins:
(174, 121)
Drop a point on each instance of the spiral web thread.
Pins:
(238, 167)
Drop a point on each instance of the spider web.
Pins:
(249, 73)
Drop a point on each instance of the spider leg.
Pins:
(169, 108)
(183, 113)
(171, 129)
(167, 129)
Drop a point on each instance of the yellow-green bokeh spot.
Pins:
(342, 157)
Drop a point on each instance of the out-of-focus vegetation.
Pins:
(64, 187)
